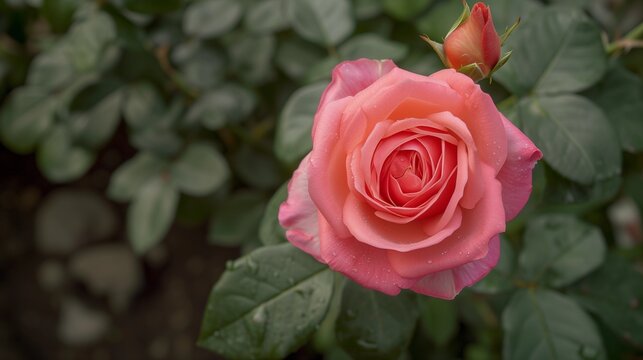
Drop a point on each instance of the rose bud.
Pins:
(474, 41)
(472, 46)
(410, 180)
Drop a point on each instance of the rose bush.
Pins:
(410, 180)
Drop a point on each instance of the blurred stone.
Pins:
(51, 275)
(68, 218)
(80, 325)
(111, 270)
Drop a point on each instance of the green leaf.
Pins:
(256, 169)
(372, 325)
(51, 69)
(406, 9)
(557, 50)
(620, 95)
(437, 22)
(373, 47)
(325, 22)
(560, 249)
(159, 140)
(270, 231)
(439, 319)
(266, 304)
(321, 70)
(251, 56)
(202, 67)
(500, 277)
(94, 127)
(236, 219)
(26, 118)
(60, 159)
(143, 105)
(292, 139)
(613, 294)
(199, 170)
(225, 105)
(542, 324)
(210, 18)
(153, 6)
(506, 12)
(565, 195)
(129, 178)
(267, 16)
(150, 214)
(59, 13)
(295, 56)
(574, 136)
(366, 9)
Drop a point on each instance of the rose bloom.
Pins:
(410, 180)
(474, 41)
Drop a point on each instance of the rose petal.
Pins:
(448, 283)
(298, 214)
(468, 243)
(327, 173)
(481, 116)
(364, 264)
(515, 175)
(372, 230)
(351, 77)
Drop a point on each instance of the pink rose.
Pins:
(475, 41)
(410, 180)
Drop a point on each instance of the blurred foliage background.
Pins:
(146, 142)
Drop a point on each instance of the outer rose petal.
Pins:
(351, 77)
(364, 264)
(298, 214)
(448, 283)
(515, 175)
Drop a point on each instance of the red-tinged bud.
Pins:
(474, 43)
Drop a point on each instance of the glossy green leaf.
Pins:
(372, 325)
(366, 9)
(406, 9)
(225, 105)
(129, 178)
(292, 140)
(325, 22)
(295, 56)
(506, 12)
(267, 16)
(573, 134)
(202, 67)
(270, 231)
(94, 127)
(236, 219)
(199, 170)
(266, 304)
(373, 47)
(560, 249)
(437, 22)
(153, 6)
(439, 319)
(251, 56)
(60, 159)
(501, 277)
(143, 105)
(151, 213)
(210, 18)
(620, 96)
(613, 294)
(256, 168)
(542, 324)
(26, 118)
(557, 50)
